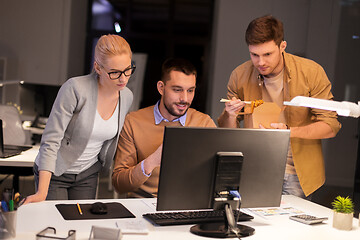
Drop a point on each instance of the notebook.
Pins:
(10, 150)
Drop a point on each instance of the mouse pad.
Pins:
(114, 210)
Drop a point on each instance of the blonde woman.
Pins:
(82, 131)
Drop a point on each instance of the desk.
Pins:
(34, 217)
(19, 165)
(25, 159)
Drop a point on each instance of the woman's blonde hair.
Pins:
(110, 45)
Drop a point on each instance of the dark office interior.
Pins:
(207, 32)
(162, 29)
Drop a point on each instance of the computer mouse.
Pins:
(98, 208)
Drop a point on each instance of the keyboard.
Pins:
(191, 217)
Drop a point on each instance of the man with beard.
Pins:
(138, 156)
(276, 76)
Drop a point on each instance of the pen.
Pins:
(79, 208)
(17, 198)
(11, 205)
(21, 202)
(4, 206)
(7, 195)
(11, 201)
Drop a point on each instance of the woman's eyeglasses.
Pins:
(117, 74)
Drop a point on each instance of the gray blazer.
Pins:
(70, 124)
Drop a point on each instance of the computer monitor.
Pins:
(188, 165)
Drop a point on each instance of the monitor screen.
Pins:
(188, 166)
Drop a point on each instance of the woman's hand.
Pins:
(43, 188)
(37, 197)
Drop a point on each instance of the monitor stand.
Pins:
(227, 229)
(226, 197)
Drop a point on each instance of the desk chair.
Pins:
(14, 134)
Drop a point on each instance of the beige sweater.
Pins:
(139, 138)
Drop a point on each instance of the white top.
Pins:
(103, 130)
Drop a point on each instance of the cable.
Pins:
(232, 224)
(236, 193)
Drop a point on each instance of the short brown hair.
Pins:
(264, 29)
(177, 64)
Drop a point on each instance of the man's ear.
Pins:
(283, 45)
(160, 87)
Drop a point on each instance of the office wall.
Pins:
(231, 18)
(43, 41)
(341, 152)
(314, 29)
(44, 44)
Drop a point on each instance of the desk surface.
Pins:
(25, 159)
(34, 217)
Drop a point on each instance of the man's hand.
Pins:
(153, 160)
(278, 125)
(317, 130)
(234, 107)
(229, 115)
(275, 126)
